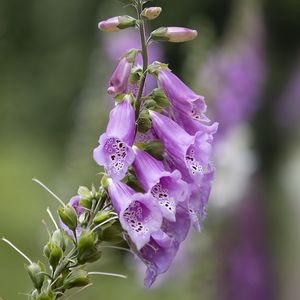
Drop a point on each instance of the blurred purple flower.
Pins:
(234, 73)
(247, 273)
(114, 151)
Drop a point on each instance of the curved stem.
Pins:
(145, 60)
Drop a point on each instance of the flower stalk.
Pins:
(150, 191)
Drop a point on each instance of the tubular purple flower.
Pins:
(191, 155)
(119, 80)
(199, 198)
(74, 201)
(114, 151)
(139, 214)
(192, 126)
(178, 230)
(158, 255)
(181, 96)
(168, 189)
(174, 34)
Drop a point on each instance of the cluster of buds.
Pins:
(156, 153)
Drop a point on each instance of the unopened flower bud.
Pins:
(151, 13)
(59, 238)
(119, 79)
(35, 271)
(135, 75)
(144, 121)
(77, 278)
(87, 250)
(68, 216)
(112, 234)
(101, 216)
(117, 23)
(160, 97)
(84, 192)
(55, 254)
(174, 34)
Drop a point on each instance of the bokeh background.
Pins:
(54, 67)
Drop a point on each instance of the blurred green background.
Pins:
(53, 106)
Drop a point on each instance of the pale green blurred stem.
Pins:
(145, 59)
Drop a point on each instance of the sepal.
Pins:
(68, 216)
(76, 278)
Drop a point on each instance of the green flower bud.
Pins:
(160, 98)
(151, 13)
(59, 238)
(144, 121)
(84, 192)
(35, 271)
(86, 203)
(104, 181)
(112, 233)
(68, 216)
(76, 278)
(87, 250)
(102, 216)
(55, 255)
(135, 75)
(152, 105)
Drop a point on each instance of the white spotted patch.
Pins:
(162, 195)
(197, 114)
(193, 164)
(117, 151)
(135, 217)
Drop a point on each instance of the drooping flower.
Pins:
(191, 155)
(174, 34)
(199, 198)
(181, 96)
(139, 214)
(74, 202)
(167, 188)
(119, 79)
(158, 255)
(114, 151)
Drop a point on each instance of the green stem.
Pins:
(145, 61)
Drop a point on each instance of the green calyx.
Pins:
(126, 22)
(160, 34)
(68, 216)
(76, 278)
(87, 249)
(144, 121)
(36, 274)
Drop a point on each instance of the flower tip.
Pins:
(111, 91)
(100, 25)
